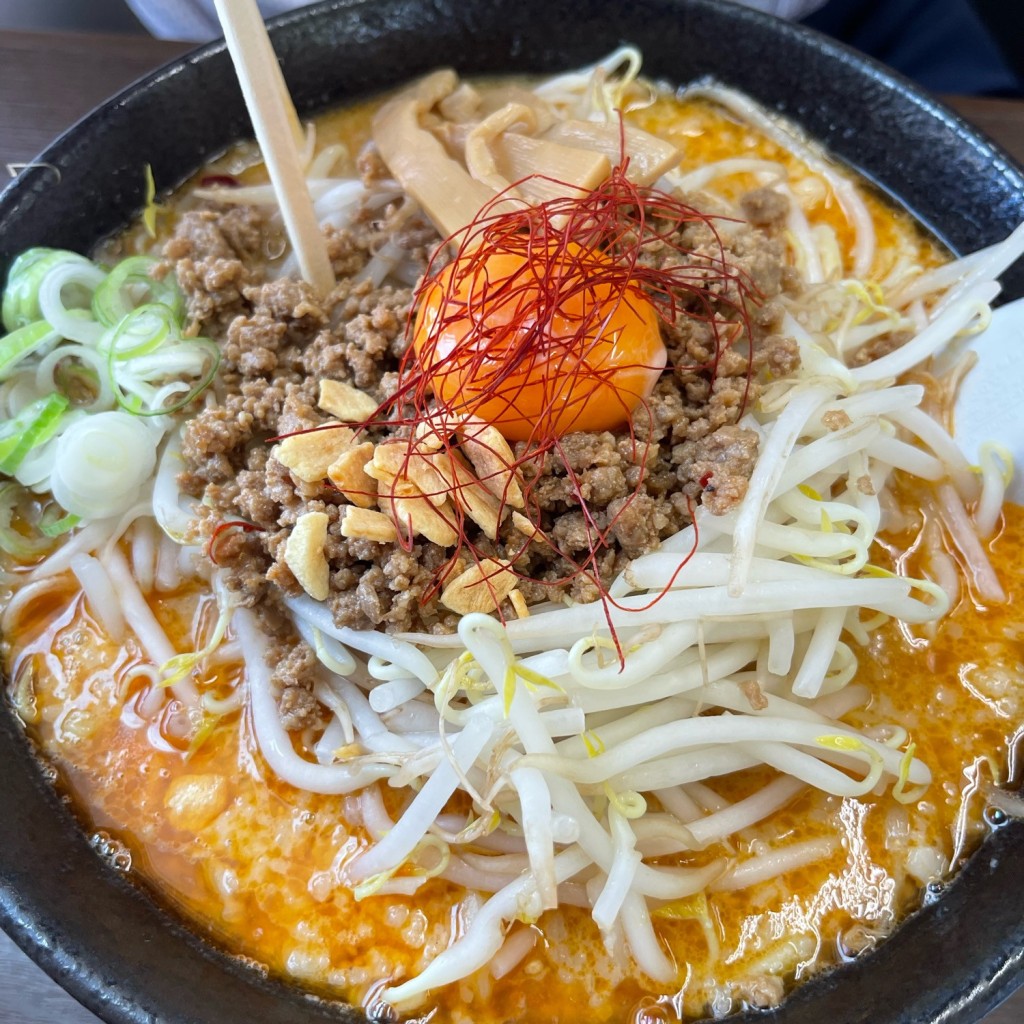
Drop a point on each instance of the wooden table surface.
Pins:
(48, 81)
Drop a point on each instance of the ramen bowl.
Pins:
(109, 941)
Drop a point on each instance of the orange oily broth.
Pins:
(705, 132)
(256, 862)
(252, 859)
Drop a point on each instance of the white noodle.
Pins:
(961, 531)
(728, 820)
(785, 431)
(517, 947)
(274, 742)
(700, 177)
(996, 473)
(774, 863)
(485, 935)
(933, 338)
(144, 549)
(813, 669)
(144, 625)
(413, 825)
(845, 191)
(99, 594)
(25, 597)
(391, 695)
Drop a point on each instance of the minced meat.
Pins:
(765, 207)
(639, 485)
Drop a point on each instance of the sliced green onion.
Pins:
(25, 549)
(213, 362)
(151, 208)
(109, 303)
(133, 403)
(102, 460)
(142, 331)
(23, 342)
(21, 296)
(102, 338)
(65, 296)
(34, 425)
(50, 526)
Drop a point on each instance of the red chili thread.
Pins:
(623, 222)
(221, 529)
(557, 240)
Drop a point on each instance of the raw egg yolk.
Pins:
(539, 343)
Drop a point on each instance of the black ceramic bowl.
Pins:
(107, 941)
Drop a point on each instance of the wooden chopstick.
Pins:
(278, 132)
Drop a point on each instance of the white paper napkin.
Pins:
(990, 406)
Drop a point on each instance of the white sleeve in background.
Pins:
(196, 20)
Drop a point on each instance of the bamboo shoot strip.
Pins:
(276, 125)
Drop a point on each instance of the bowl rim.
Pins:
(79, 948)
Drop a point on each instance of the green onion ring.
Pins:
(133, 403)
(148, 326)
(109, 305)
(34, 425)
(21, 296)
(21, 343)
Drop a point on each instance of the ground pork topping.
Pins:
(352, 517)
